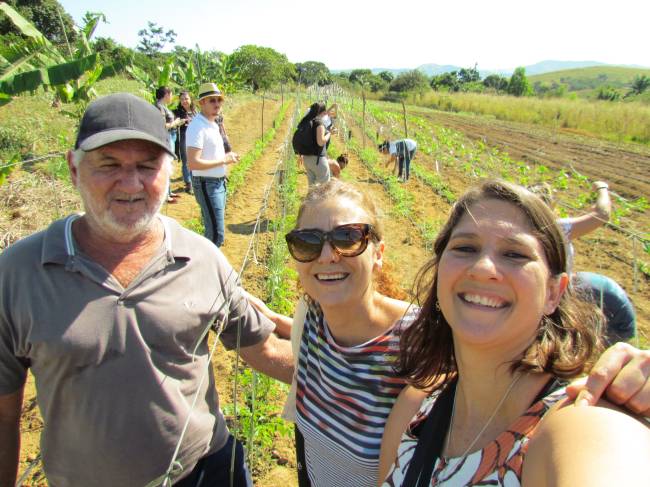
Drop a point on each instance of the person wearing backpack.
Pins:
(310, 140)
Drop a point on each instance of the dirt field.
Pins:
(627, 168)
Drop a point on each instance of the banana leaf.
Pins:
(59, 74)
(28, 81)
(24, 26)
(62, 73)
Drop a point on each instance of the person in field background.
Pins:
(164, 95)
(611, 298)
(401, 153)
(208, 160)
(185, 111)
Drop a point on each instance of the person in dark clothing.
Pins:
(185, 111)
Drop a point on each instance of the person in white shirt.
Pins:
(207, 159)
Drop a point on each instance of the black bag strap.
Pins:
(432, 436)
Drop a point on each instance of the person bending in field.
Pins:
(336, 166)
(620, 318)
(401, 154)
(110, 310)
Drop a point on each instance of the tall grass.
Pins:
(614, 121)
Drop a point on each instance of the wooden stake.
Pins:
(406, 129)
(262, 136)
(363, 95)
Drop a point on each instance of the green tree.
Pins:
(608, 93)
(496, 82)
(640, 84)
(469, 75)
(312, 72)
(447, 80)
(387, 76)
(261, 67)
(46, 15)
(518, 84)
(376, 83)
(154, 39)
(410, 80)
(359, 76)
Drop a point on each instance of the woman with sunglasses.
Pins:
(348, 339)
(498, 334)
(345, 383)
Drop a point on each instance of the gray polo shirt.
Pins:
(114, 369)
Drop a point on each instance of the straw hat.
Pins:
(209, 89)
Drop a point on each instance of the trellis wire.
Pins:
(165, 479)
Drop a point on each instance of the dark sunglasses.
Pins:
(346, 240)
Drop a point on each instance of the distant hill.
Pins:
(434, 69)
(538, 69)
(551, 66)
(591, 78)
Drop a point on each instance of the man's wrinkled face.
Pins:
(122, 185)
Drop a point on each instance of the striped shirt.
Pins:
(343, 397)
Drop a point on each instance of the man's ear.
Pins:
(556, 288)
(73, 169)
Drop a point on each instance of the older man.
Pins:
(207, 158)
(110, 311)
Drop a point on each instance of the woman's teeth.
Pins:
(331, 277)
(483, 300)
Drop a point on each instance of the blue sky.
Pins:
(496, 34)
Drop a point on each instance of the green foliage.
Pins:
(411, 80)
(640, 84)
(496, 82)
(33, 62)
(262, 67)
(608, 93)
(387, 76)
(154, 38)
(519, 84)
(47, 16)
(447, 80)
(312, 73)
(359, 76)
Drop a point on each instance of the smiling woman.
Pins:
(498, 332)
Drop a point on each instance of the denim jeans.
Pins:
(210, 193)
(214, 470)
(405, 164)
(182, 154)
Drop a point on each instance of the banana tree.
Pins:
(33, 62)
(150, 84)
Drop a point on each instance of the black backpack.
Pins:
(304, 140)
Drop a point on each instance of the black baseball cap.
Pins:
(121, 116)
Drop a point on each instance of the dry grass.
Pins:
(613, 121)
(30, 201)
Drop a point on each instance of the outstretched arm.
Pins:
(597, 216)
(10, 407)
(598, 446)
